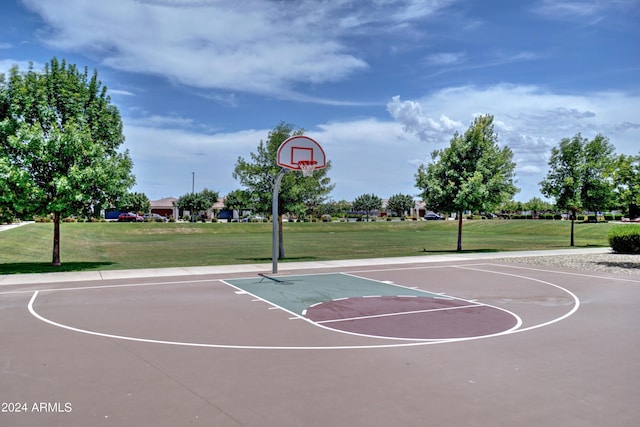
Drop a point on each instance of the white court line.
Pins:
(426, 267)
(413, 343)
(123, 285)
(574, 296)
(400, 313)
(568, 273)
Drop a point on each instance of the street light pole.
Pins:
(193, 181)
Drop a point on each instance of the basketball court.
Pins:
(434, 340)
(460, 340)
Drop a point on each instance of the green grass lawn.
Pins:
(107, 246)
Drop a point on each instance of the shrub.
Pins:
(625, 239)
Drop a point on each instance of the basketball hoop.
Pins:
(298, 153)
(307, 167)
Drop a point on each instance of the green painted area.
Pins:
(297, 293)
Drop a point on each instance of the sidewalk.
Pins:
(4, 227)
(22, 279)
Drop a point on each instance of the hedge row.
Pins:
(625, 239)
(589, 218)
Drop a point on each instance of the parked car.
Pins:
(631, 219)
(130, 217)
(155, 217)
(432, 216)
(253, 218)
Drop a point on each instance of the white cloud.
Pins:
(249, 46)
(367, 155)
(445, 58)
(577, 10)
(410, 114)
(7, 64)
(574, 8)
(164, 159)
(461, 62)
(254, 46)
(120, 92)
(528, 119)
(382, 156)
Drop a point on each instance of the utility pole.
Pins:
(193, 181)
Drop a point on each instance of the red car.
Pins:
(129, 217)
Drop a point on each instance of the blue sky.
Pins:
(379, 84)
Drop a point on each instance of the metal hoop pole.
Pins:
(274, 213)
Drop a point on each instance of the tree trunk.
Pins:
(280, 238)
(56, 240)
(459, 248)
(573, 217)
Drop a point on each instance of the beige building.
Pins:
(165, 207)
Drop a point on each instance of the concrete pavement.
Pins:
(19, 279)
(4, 227)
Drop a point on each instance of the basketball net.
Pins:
(307, 167)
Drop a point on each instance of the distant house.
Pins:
(165, 207)
(220, 211)
(217, 207)
(418, 210)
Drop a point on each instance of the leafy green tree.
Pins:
(564, 179)
(341, 207)
(59, 142)
(511, 206)
(580, 176)
(209, 197)
(400, 204)
(597, 179)
(367, 203)
(197, 202)
(238, 200)
(135, 202)
(626, 180)
(473, 173)
(186, 202)
(536, 205)
(7, 210)
(296, 193)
